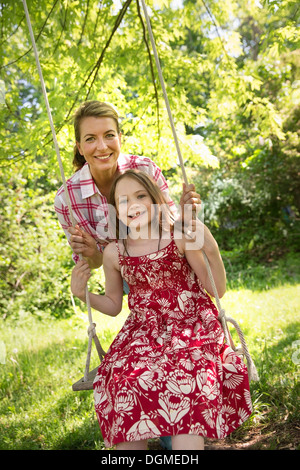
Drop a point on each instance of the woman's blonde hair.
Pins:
(90, 109)
(164, 215)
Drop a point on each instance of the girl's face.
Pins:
(133, 203)
(100, 143)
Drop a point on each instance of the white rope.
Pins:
(164, 92)
(91, 333)
(252, 372)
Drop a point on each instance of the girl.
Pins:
(168, 371)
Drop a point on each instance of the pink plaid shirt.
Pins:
(90, 207)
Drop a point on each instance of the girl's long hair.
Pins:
(163, 216)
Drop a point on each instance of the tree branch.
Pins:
(151, 66)
(36, 39)
(96, 67)
(217, 28)
(84, 22)
(100, 60)
(14, 31)
(63, 29)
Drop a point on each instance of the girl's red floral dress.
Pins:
(168, 370)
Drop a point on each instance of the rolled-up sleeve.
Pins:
(62, 212)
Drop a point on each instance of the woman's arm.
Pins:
(197, 239)
(111, 302)
(80, 241)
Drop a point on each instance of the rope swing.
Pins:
(87, 382)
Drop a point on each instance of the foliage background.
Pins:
(232, 74)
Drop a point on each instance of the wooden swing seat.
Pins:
(85, 385)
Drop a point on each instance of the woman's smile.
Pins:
(104, 157)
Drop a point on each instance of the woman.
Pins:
(98, 161)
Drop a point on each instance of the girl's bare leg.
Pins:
(187, 442)
(134, 445)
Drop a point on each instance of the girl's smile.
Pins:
(134, 204)
(136, 215)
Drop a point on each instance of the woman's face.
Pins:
(100, 143)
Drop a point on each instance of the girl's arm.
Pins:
(111, 302)
(200, 238)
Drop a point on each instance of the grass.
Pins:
(39, 361)
(270, 322)
(38, 409)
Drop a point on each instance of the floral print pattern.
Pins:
(168, 371)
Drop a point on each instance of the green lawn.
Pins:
(41, 360)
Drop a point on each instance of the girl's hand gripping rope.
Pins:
(80, 276)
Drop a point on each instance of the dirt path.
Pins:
(282, 436)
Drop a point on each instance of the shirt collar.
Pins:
(121, 161)
(87, 184)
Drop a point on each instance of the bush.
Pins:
(35, 259)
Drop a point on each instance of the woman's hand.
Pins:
(79, 278)
(82, 242)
